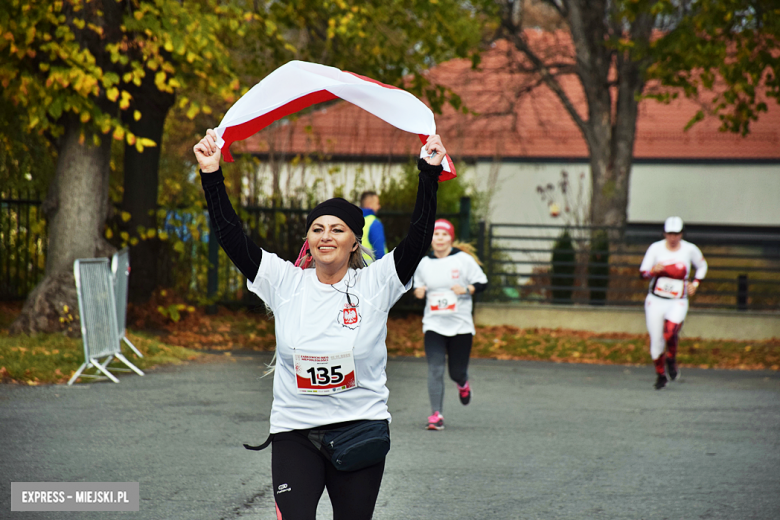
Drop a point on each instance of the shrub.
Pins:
(562, 268)
(598, 267)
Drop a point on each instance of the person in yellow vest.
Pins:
(373, 231)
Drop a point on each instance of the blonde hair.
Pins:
(468, 249)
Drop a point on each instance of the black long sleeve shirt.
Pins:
(246, 255)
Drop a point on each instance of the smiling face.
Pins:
(331, 242)
(442, 241)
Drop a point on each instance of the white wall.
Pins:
(325, 178)
(701, 194)
(706, 194)
(514, 196)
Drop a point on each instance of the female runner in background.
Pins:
(447, 278)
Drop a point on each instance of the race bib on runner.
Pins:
(442, 302)
(325, 375)
(669, 287)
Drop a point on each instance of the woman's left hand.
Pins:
(459, 289)
(434, 145)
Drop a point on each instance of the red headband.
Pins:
(446, 225)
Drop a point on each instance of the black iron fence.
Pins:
(282, 231)
(22, 243)
(528, 263)
(190, 259)
(600, 266)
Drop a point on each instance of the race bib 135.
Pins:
(325, 374)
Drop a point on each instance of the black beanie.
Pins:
(343, 209)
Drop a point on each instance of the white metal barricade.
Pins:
(97, 312)
(120, 268)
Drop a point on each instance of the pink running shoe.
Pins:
(436, 421)
(465, 393)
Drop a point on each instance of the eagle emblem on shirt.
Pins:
(349, 317)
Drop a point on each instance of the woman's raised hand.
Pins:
(434, 145)
(207, 152)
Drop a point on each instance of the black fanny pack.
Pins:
(350, 447)
(354, 446)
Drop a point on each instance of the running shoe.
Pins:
(465, 393)
(660, 382)
(436, 421)
(671, 369)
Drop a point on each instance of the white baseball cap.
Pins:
(673, 225)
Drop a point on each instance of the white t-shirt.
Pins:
(671, 283)
(445, 312)
(313, 319)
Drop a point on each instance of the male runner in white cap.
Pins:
(667, 264)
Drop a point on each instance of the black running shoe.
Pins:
(671, 369)
(660, 382)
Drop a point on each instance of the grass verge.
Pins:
(53, 358)
(405, 338)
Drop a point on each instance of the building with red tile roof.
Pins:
(518, 123)
(510, 122)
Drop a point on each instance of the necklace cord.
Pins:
(349, 300)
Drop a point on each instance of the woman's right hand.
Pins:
(419, 292)
(208, 153)
(434, 145)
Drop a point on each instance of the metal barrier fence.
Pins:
(98, 317)
(120, 272)
(600, 266)
(22, 244)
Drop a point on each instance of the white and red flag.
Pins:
(300, 84)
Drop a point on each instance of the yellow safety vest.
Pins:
(369, 220)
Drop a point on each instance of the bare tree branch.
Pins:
(549, 79)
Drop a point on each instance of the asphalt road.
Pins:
(539, 440)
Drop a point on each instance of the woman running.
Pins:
(331, 324)
(447, 278)
(667, 264)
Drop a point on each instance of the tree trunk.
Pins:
(609, 184)
(603, 72)
(141, 184)
(76, 209)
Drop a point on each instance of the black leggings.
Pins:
(300, 473)
(457, 350)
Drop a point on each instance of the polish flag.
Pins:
(300, 84)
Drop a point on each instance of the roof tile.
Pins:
(513, 116)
